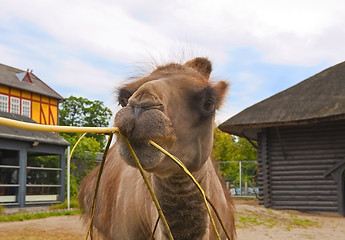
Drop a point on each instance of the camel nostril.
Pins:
(137, 111)
(124, 121)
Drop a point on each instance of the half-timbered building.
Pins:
(32, 163)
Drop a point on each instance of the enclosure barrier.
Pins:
(240, 177)
(110, 131)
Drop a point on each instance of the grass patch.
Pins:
(27, 216)
(244, 198)
(270, 219)
(73, 204)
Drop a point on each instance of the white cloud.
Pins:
(67, 32)
(6, 56)
(97, 26)
(285, 31)
(85, 79)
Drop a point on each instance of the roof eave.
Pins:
(241, 129)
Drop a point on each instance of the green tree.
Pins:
(229, 149)
(84, 156)
(82, 112)
(83, 159)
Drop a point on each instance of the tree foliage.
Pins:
(82, 112)
(228, 150)
(83, 159)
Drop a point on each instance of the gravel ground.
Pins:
(253, 222)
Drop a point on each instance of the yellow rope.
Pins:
(180, 164)
(155, 228)
(111, 130)
(154, 198)
(53, 128)
(75, 145)
(100, 171)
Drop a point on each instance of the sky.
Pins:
(88, 48)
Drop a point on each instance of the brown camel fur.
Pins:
(175, 107)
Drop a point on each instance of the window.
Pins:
(9, 176)
(43, 177)
(26, 108)
(3, 103)
(15, 103)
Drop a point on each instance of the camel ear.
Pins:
(221, 89)
(202, 65)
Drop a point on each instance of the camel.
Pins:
(174, 106)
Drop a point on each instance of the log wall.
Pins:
(300, 167)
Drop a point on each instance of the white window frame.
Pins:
(3, 103)
(15, 105)
(26, 108)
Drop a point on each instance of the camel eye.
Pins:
(123, 96)
(206, 101)
(209, 105)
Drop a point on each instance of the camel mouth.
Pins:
(140, 126)
(148, 156)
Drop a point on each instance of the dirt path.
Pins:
(52, 228)
(258, 223)
(253, 223)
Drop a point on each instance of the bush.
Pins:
(1, 209)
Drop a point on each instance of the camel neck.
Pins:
(182, 205)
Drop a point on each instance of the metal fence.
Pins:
(240, 177)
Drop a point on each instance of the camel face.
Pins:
(173, 106)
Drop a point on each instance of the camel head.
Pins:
(174, 106)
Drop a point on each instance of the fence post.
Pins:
(240, 169)
(68, 178)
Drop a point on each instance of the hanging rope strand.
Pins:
(100, 171)
(110, 131)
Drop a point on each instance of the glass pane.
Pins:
(9, 175)
(41, 194)
(3, 103)
(8, 194)
(26, 108)
(9, 170)
(43, 160)
(14, 105)
(41, 176)
(9, 157)
(42, 190)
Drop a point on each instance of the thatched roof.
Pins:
(12, 77)
(318, 98)
(28, 135)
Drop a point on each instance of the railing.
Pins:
(240, 177)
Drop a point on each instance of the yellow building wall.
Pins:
(4, 89)
(36, 97)
(36, 111)
(26, 95)
(44, 110)
(44, 99)
(54, 114)
(44, 113)
(15, 92)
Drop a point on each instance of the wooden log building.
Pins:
(300, 133)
